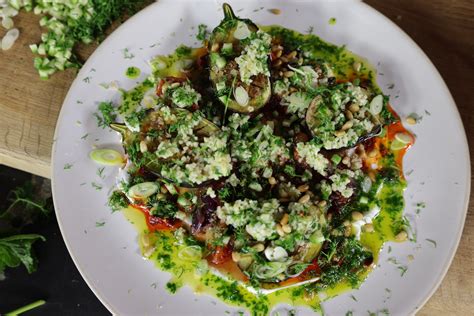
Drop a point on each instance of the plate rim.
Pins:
(407, 39)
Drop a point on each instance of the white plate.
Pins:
(108, 256)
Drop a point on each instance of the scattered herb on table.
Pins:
(24, 209)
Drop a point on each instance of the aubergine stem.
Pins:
(228, 12)
(121, 128)
(218, 60)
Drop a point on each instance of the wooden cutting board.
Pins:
(444, 29)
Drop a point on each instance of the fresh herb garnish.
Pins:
(106, 115)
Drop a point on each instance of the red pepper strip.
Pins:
(159, 88)
(220, 255)
(155, 223)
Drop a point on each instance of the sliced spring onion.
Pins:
(143, 190)
(7, 22)
(108, 157)
(376, 105)
(366, 184)
(270, 270)
(317, 237)
(276, 254)
(183, 201)
(295, 269)
(404, 138)
(171, 188)
(336, 159)
(190, 253)
(397, 145)
(10, 38)
(364, 200)
(227, 48)
(241, 31)
(241, 96)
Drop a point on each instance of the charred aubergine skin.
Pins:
(228, 41)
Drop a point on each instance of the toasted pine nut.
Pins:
(258, 247)
(357, 216)
(354, 108)
(368, 228)
(304, 199)
(303, 188)
(347, 231)
(235, 256)
(284, 219)
(347, 125)
(143, 147)
(401, 236)
(339, 133)
(275, 11)
(411, 121)
(279, 230)
(286, 228)
(272, 180)
(288, 74)
(356, 66)
(349, 115)
(215, 47)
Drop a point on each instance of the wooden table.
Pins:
(443, 28)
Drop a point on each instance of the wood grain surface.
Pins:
(444, 29)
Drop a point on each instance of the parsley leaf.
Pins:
(16, 250)
(107, 114)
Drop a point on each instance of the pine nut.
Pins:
(357, 216)
(143, 147)
(275, 11)
(411, 121)
(401, 236)
(288, 74)
(215, 47)
(368, 228)
(339, 133)
(347, 231)
(272, 181)
(356, 66)
(304, 199)
(235, 256)
(279, 230)
(285, 219)
(322, 203)
(303, 188)
(347, 125)
(354, 108)
(286, 228)
(349, 115)
(258, 247)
